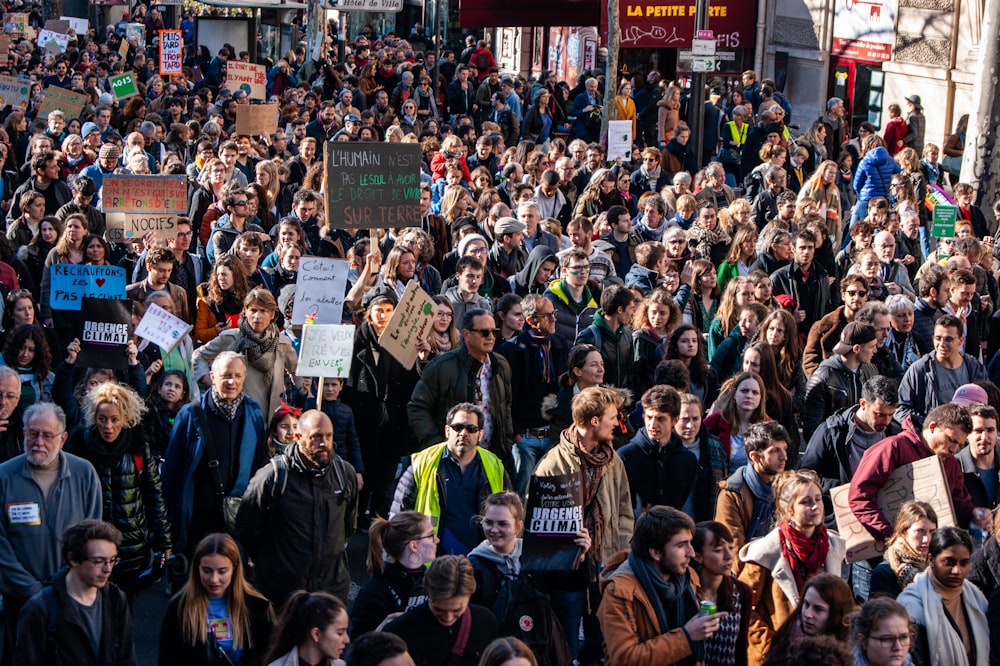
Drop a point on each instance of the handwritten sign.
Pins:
(256, 119)
(105, 334)
(46, 37)
(320, 291)
(922, 480)
(554, 511)
(620, 140)
(69, 102)
(248, 77)
(57, 25)
(410, 322)
(123, 47)
(162, 328)
(372, 185)
(123, 86)
(14, 91)
(78, 25)
(15, 23)
(69, 284)
(326, 351)
(171, 46)
(125, 193)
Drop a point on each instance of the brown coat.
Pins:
(632, 634)
(823, 337)
(775, 594)
(734, 509)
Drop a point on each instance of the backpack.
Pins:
(524, 611)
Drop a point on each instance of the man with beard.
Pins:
(298, 513)
(81, 591)
(46, 491)
(654, 575)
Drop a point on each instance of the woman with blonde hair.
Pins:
(778, 565)
(742, 255)
(266, 175)
(398, 552)
(668, 115)
(623, 108)
(822, 188)
(738, 292)
(113, 440)
(906, 551)
(454, 203)
(217, 617)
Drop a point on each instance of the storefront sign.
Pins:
(658, 24)
(864, 30)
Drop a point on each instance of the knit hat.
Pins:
(110, 151)
(854, 334)
(968, 395)
(106, 98)
(464, 243)
(88, 129)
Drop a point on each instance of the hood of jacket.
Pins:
(602, 323)
(508, 564)
(538, 256)
(588, 301)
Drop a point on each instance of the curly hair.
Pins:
(241, 287)
(121, 396)
(42, 363)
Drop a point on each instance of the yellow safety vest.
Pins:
(425, 465)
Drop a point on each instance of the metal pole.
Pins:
(437, 52)
(611, 66)
(696, 101)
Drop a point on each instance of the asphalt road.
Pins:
(151, 604)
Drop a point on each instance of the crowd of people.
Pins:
(718, 341)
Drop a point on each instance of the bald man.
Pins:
(298, 513)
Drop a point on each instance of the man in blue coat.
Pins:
(233, 426)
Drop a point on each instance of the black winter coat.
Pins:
(174, 651)
(131, 491)
(526, 380)
(396, 590)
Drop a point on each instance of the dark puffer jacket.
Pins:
(132, 495)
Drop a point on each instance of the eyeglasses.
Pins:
(101, 562)
(240, 203)
(31, 435)
(426, 536)
(486, 332)
(543, 315)
(444, 315)
(856, 292)
(471, 428)
(889, 641)
(477, 250)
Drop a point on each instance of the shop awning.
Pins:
(528, 13)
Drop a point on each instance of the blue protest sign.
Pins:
(69, 284)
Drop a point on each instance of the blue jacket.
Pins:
(184, 453)
(875, 171)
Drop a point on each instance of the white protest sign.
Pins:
(78, 25)
(247, 76)
(620, 140)
(326, 351)
(410, 322)
(162, 328)
(320, 290)
(46, 36)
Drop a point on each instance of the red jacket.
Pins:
(881, 460)
(893, 135)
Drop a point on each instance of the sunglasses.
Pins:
(471, 428)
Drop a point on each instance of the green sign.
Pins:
(943, 221)
(123, 86)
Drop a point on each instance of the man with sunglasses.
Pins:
(825, 334)
(473, 373)
(457, 470)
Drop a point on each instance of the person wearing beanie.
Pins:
(493, 286)
(91, 134)
(107, 162)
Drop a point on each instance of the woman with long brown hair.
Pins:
(759, 357)
(826, 609)
(742, 403)
(68, 250)
(906, 551)
(220, 299)
(822, 188)
(217, 617)
(778, 330)
(713, 560)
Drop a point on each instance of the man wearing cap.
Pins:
(152, 147)
(838, 380)
(511, 99)
(346, 105)
(979, 461)
(91, 134)
(352, 126)
(107, 162)
(44, 179)
(933, 378)
(915, 124)
(507, 256)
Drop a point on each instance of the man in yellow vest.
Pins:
(449, 481)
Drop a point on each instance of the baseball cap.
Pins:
(854, 334)
(968, 395)
(351, 118)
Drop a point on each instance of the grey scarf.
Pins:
(227, 408)
(762, 519)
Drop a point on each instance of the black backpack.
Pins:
(524, 611)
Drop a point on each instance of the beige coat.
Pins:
(268, 397)
(613, 493)
(775, 594)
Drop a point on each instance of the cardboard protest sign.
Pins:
(162, 328)
(58, 39)
(553, 516)
(4, 51)
(123, 86)
(15, 91)
(171, 46)
(69, 284)
(69, 102)
(57, 25)
(372, 185)
(320, 290)
(78, 25)
(248, 77)
(15, 23)
(123, 48)
(256, 119)
(410, 322)
(326, 351)
(150, 203)
(114, 227)
(922, 480)
(106, 330)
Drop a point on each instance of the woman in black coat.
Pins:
(113, 441)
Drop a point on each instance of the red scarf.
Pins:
(806, 556)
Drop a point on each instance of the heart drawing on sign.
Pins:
(100, 282)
